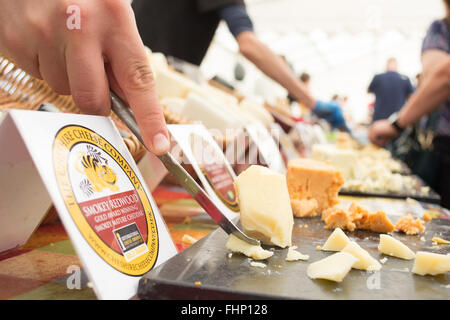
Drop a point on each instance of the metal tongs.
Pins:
(177, 171)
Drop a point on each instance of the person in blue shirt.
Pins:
(391, 91)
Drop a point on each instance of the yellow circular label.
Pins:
(106, 200)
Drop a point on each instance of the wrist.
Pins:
(395, 122)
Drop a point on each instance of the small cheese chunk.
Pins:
(336, 241)
(336, 217)
(334, 267)
(304, 207)
(294, 255)
(366, 261)
(431, 263)
(265, 206)
(235, 244)
(393, 247)
(312, 179)
(408, 225)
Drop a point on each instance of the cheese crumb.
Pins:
(383, 261)
(294, 255)
(258, 264)
(252, 251)
(440, 240)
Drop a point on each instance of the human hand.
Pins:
(381, 132)
(331, 112)
(82, 48)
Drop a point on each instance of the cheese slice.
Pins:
(366, 261)
(336, 241)
(393, 247)
(256, 252)
(334, 267)
(264, 204)
(431, 263)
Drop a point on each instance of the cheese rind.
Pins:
(334, 267)
(366, 261)
(431, 263)
(235, 244)
(393, 247)
(264, 204)
(336, 241)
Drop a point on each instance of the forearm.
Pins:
(273, 66)
(434, 91)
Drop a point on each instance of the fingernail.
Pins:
(160, 144)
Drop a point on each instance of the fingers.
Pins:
(131, 71)
(87, 78)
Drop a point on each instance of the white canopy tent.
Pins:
(341, 44)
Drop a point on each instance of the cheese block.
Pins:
(334, 267)
(312, 179)
(366, 261)
(336, 241)
(257, 110)
(264, 204)
(345, 159)
(170, 83)
(294, 255)
(393, 247)
(256, 252)
(431, 263)
(211, 115)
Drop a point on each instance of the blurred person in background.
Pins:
(185, 29)
(432, 94)
(391, 90)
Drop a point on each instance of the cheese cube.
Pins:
(312, 179)
(265, 208)
(256, 252)
(431, 263)
(366, 261)
(334, 267)
(393, 247)
(336, 241)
